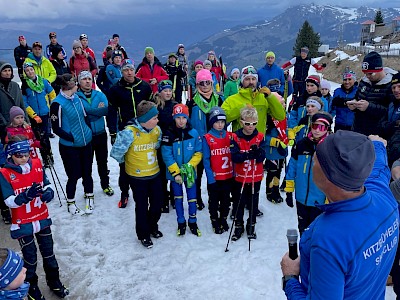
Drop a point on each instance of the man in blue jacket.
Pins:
(348, 251)
(271, 71)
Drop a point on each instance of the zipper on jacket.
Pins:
(80, 123)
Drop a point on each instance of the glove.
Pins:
(187, 172)
(323, 65)
(178, 179)
(275, 142)
(48, 195)
(34, 191)
(253, 152)
(289, 186)
(37, 119)
(113, 137)
(291, 143)
(282, 144)
(264, 90)
(291, 134)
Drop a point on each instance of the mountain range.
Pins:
(247, 45)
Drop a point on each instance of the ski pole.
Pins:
(237, 208)
(59, 182)
(55, 185)
(252, 199)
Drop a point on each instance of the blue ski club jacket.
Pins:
(96, 109)
(38, 101)
(346, 254)
(181, 146)
(270, 72)
(300, 170)
(344, 116)
(68, 119)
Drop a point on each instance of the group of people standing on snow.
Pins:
(163, 145)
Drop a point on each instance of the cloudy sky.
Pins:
(77, 10)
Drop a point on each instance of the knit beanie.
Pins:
(180, 46)
(396, 78)
(115, 35)
(27, 64)
(128, 64)
(10, 269)
(164, 84)
(83, 36)
(16, 111)
(148, 49)
(248, 71)
(197, 62)
(207, 63)
(211, 52)
(55, 51)
(66, 81)
(216, 114)
(18, 147)
(274, 84)
(315, 79)
(5, 65)
(76, 44)
(52, 34)
(172, 54)
(146, 110)
(203, 75)
(116, 53)
(346, 158)
(235, 70)
(372, 63)
(270, 54)
(322, 117)
(349, 74)
(84, 74)
(325, 84)
(180, 110)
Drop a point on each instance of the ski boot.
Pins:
(108, 191)
(239, 230)
(73, 209)
(224, 224)
(5, 213)
(157, 234)
(181, 229)
(123, 202)
(251, 231)
(216, 226)
(58, 288)
(275, 196)
(194, 229)
(34, 293)
(147, 243)
(200, 204)
(89, 207)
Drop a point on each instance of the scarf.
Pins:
(202, 103)
(36, 85)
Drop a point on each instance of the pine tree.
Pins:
(307, 37)
(378, 17)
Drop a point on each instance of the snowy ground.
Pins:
(101, 258)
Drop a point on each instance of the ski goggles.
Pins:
(249, 70)
(164, 84)
(249, 123)
(205, 83)
(320, 127)
(21, 155)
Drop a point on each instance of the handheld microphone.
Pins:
(292, 241)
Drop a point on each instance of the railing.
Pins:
(378, 48)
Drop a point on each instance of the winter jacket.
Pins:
(123, 99)
(271, 152)
(137, 147)
(389, 129)
(43, 67)
(192, 84)
(270, 72)
(198, 118)
(102, 81)
(231, 87)
(301, 67)
(300, 170)
(113, 73)
(175, 73)
(165, 119)
(61, 67)
(82, 62)
(344, 116)
(25, 130)
(146, 72)
(327, 101)
(264, 105)
(180, 146)
(379, 95)
(299, 108)
(96, 108)
(90, 52)
(50, 48)
(20, 53)
(68, 119)
(9, 194)
(37, 104)
(348, 251)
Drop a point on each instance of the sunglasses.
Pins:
(117, 52)
(320, 127)
(205, 83)
(21, 155)
(250, 123)
(249, 70)
(76, 48)
(165, 82)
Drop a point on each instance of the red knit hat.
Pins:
(315, 79)
(180, 110)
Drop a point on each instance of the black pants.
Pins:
(306, 215)
(219, 199)
(42, 134)
(28, 247)
(123, 181)
(247, 196)
(148, 195)
(274, 169)
(77, 164)
(99, 148)
(200, 169)
(299, 88)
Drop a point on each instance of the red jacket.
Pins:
(82, 62)
(145, 73)
(26, 131)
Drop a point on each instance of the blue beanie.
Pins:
(10, 268)
(18, 147)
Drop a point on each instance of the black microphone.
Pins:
(292, 241)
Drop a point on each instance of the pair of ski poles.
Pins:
(54, 176)
(240, 199)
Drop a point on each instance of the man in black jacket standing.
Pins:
(20, 53)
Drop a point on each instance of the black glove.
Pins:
(29, 194)
(113, 137)
(323, 65)
(253, 152)
(48, 195)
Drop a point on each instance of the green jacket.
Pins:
(231, 87)
(45, 68)
(264, 105)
